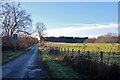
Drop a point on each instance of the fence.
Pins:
(106, 57)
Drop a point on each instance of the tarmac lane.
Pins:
(28, 65)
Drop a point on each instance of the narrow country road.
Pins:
(28, 65)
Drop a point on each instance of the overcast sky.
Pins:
(77, 19)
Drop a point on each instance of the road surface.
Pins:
(28, 65)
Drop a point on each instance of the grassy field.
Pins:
(105, 47)
(63, 66)
(111, 52)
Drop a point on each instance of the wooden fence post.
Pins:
(64, 50)
(78, 52)
(88, 53)
(108, 60)
(68, 50)
(72, 52)
(101, 56)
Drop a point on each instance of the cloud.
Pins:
(84, 30)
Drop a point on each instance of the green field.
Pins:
(84, 66)
(111, 52)
(105, 47)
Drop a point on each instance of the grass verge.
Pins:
(11, 55)
(56, 69)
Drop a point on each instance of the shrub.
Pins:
(21, 44)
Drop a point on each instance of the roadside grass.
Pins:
(11, 55)
(56, 69)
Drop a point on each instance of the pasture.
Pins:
(111, 51)
(105, 47)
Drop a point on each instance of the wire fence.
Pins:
(106, 57)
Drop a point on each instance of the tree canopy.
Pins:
(14, 19)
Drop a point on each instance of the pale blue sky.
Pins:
(57, 15)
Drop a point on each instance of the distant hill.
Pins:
(66, 39)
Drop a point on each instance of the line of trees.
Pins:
(66, 39)
(107, 38)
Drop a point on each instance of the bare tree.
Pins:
(13, 19)
(107, 38)
(40, 27)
